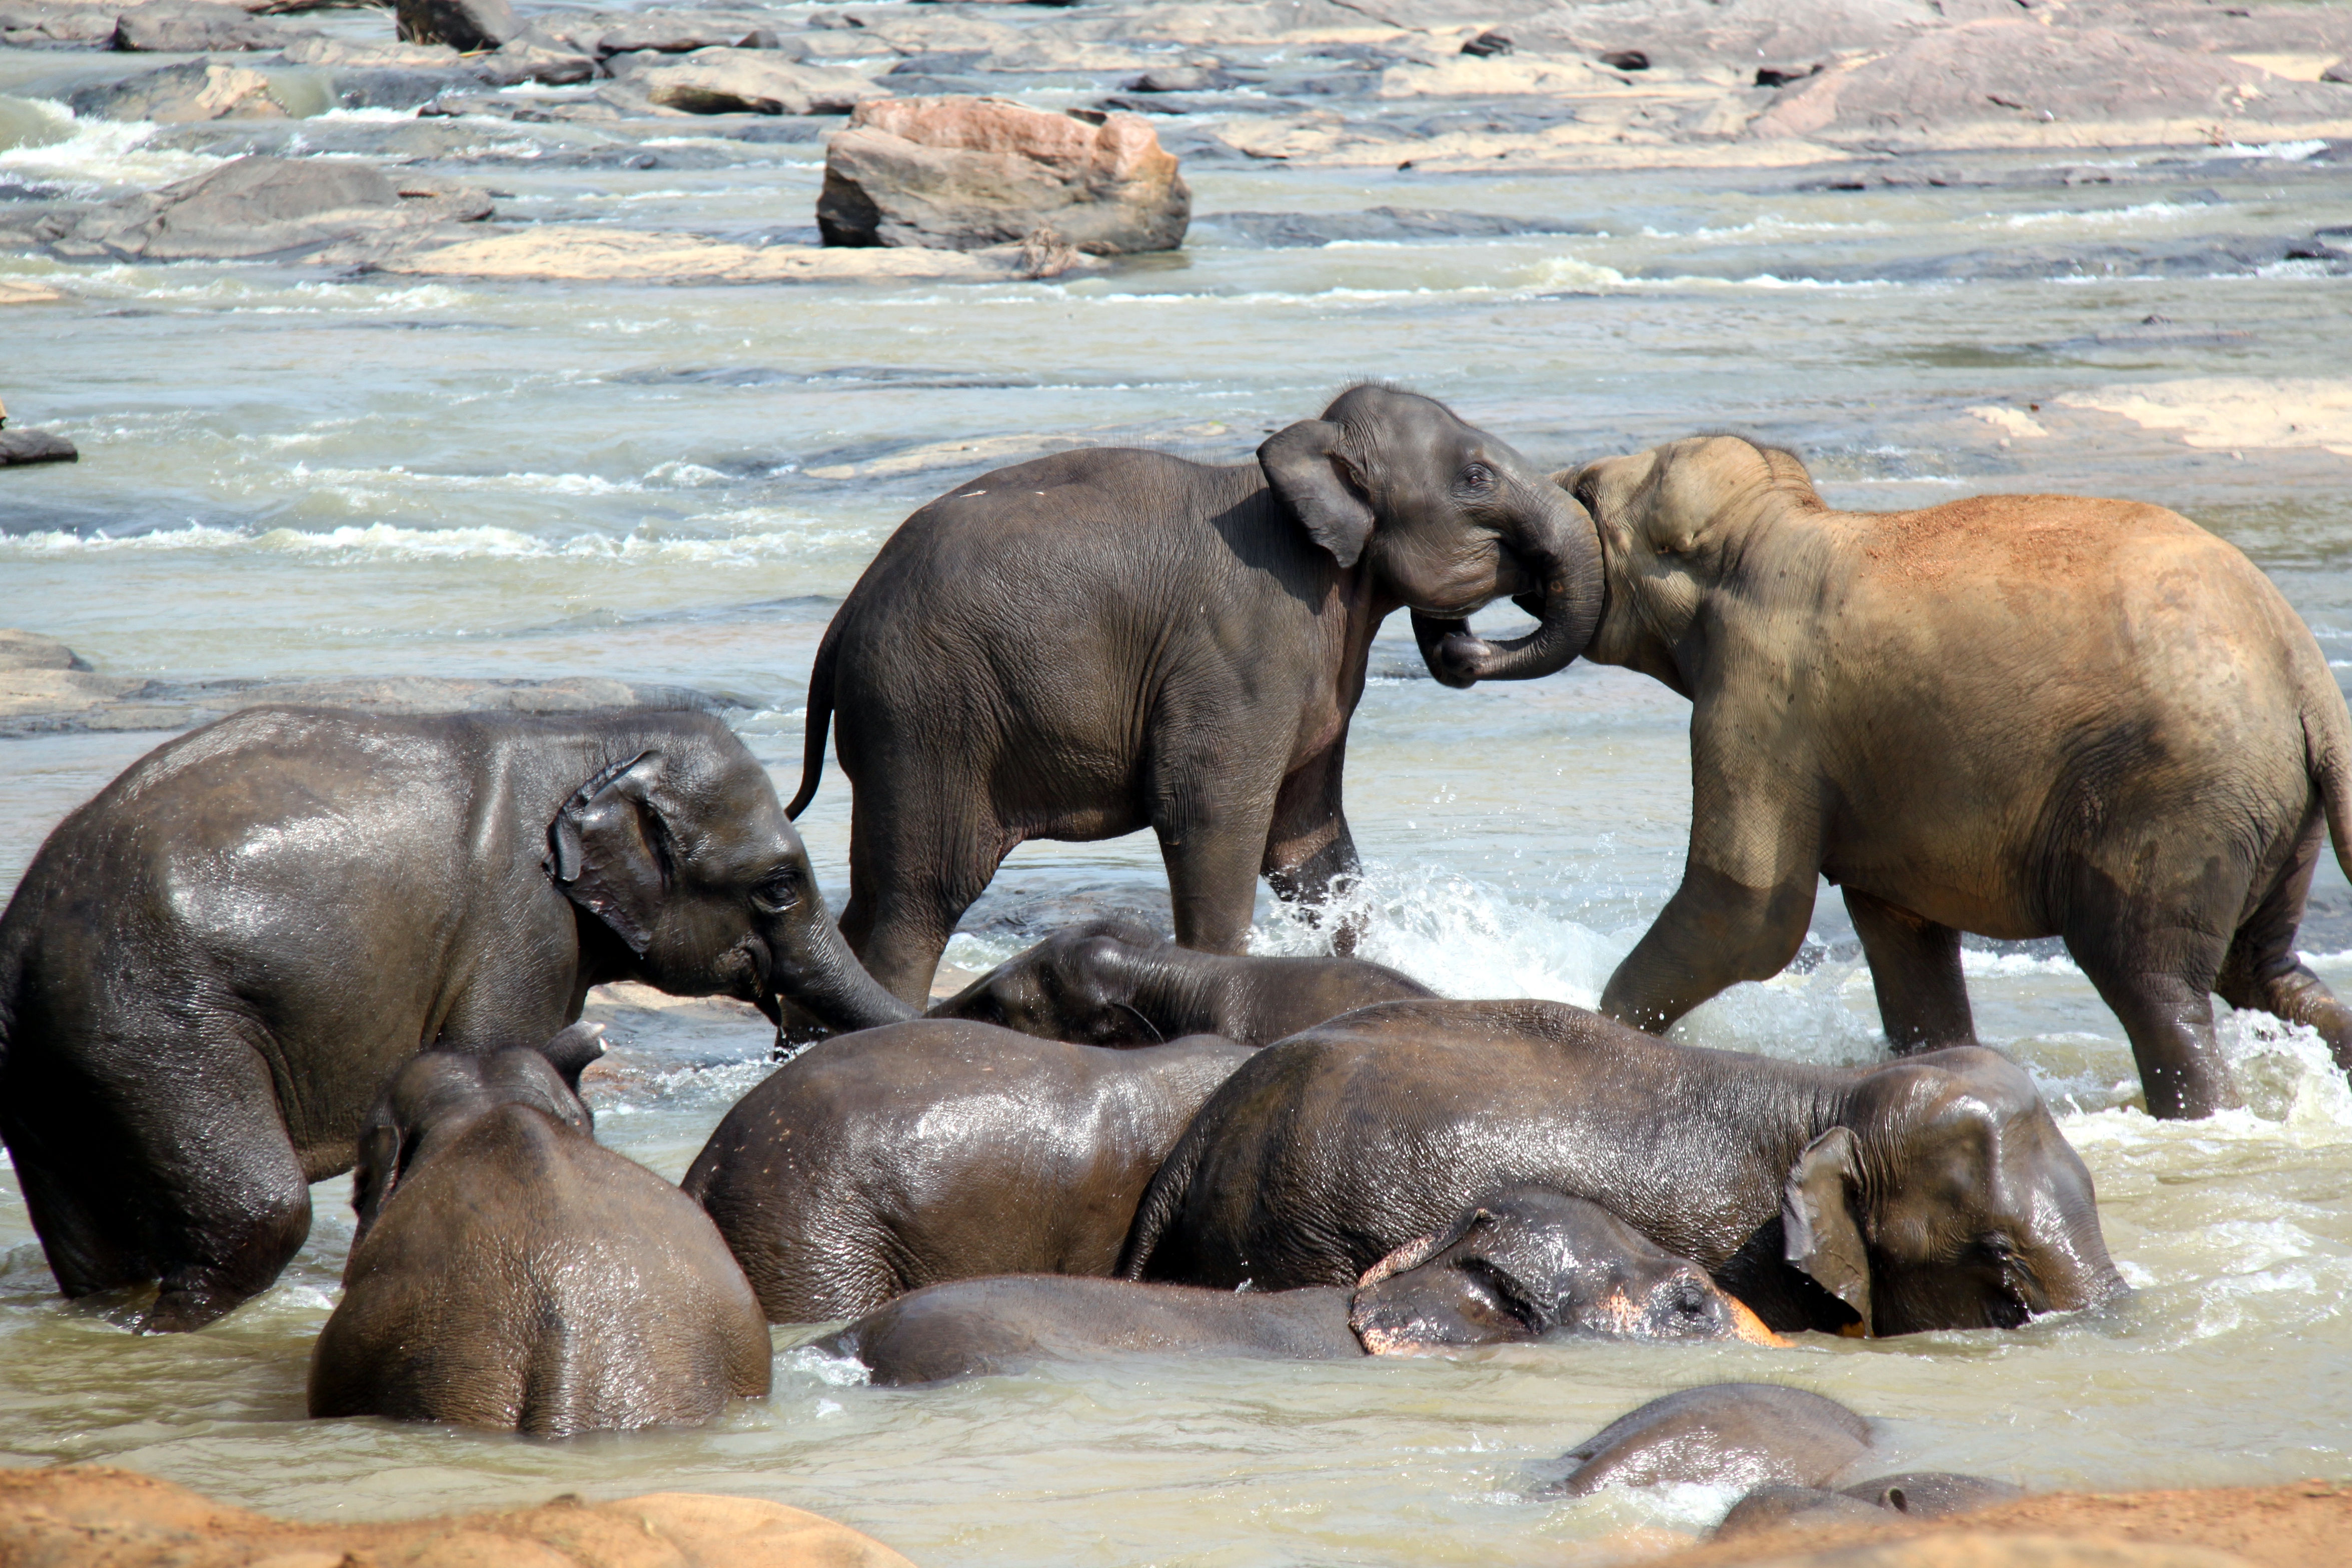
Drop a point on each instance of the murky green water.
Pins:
(289, 475)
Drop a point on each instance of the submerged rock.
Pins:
(21, 447)
(744, 81)
(262, 206)
(969, 172)
(592, 253)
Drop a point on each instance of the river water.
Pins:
(288, 474)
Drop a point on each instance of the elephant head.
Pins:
(1078, 985)
(1673, 523)
(1529, 1262)
(1449, 518)
(1947, 1200)
(436, 1094)
(689, 858)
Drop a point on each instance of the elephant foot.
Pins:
(184, 1310)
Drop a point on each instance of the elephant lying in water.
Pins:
(1107, 640)
(1931, 1193)
(2020, 716)
(1524, 1264)
(1112, 982)
(876, 1163)
(1724, 1433)
(210, 969)
(511, 1273)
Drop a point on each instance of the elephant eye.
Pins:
(1586, 491)
(778, 891)
(1477, 476)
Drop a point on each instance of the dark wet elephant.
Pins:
(1112, 982)
(1107, 640)
(2020, 716)
(510, 1273)
(1931, 1193)
(876, 1163)
(1724, 1433)
(1522, 1265)
(210, 969)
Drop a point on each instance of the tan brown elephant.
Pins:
(2020, 716)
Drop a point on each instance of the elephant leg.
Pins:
(1211, 849)
(1309, 852)
(1914, 967)
(2260, 971)
(1713, 934)
(912, 873)
(2159, 982)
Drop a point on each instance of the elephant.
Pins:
(1523, 1264)
(1107, 639)
(511, 1273)
(2017, 716)
(1932, 1192)
(876, 1163)
(1917, 1494)
(211, 968)
(1724, 1433)
(1112, 982)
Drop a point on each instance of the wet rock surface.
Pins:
(21, 448)
(260, 207)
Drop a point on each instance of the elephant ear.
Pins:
(1317, 479)
(608, 849)
(1817, 1225)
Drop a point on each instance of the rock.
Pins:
(680, 32)
(1182, 78)
(593, 253)
(1291, 230)
(63, 1517)
(19, 448)
(31, 651)
(967, 172)
(463, 25)
(30, 23)
(1626, 60)
(20, 291)
(194, 28)
(518, 61)
(2340, 72)
(338, 54)
(396, 89)
(1781, 76)
(1488, 44)
(745, 81)
(182, 94)
(268, 207)
(1973, 1550)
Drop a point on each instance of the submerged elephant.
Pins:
(511, 1273)
(210, 969)
(2020, 716)
(1725, 1434)
(874, 1164)
(1931, 1193)
(1915, 1494)
(1112, 982)
(1107, 640)
(1522, 1265)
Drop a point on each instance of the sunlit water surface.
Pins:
(286, 474)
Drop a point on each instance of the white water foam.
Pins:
(99, 152)
(387, 541)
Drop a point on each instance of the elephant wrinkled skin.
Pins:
(2020, 716)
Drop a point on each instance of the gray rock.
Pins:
(521, 60)
(1293, 231)
(741, 81)
(968, 172)
(182, 94)
(195, 29)
(19, 448)
(31, 651)
(263, 206)
(1182, 78)
(32, 24)
(463, 25)
(681, 32)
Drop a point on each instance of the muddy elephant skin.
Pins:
(876, 1163)
(1931, 1193)
(2019, 715)
(210, 969)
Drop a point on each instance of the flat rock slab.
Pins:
(19, 447)
(196, 26)
(80, 1516)
(744, 82)
(16, 291)
(182, 94)
(587, 253)
(253, 207)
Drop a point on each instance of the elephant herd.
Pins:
(300, 941)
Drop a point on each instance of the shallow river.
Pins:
(291, 476)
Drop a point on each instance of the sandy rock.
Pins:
(195, 29)
(464, 24)
(1473, 76)
(2233, 413)
(2020, 83)
(22, 650)
(20, 447)
(182, 94)
(967, 172)
(77, 1516)
(18, 291)
(1973, 1550)
(678, 32)
(266, 207)
(592, 253)
(745, 81)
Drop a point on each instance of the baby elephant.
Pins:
(1725, 1434)
(1916, 1494)
(511, 1273)
(1112, 982)
(879, 1162)
(1523, 1265)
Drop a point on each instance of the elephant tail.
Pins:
(2327, 752)
(1163, 1200)
(820, 717)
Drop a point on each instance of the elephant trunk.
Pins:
(1567, 610)
(812, 969)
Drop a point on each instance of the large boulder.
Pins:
(742, 82)
(194, 28)
(183, 94)
(268, 207)
(967, 172)
(21, 447)
(466, 25)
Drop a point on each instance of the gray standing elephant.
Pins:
(210, 969)
(2020, 716)
(1107, 640)
(511, 1273)
(1111, 982)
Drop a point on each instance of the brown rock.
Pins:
(464, 24)
(81, 1517)
(968, 172)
